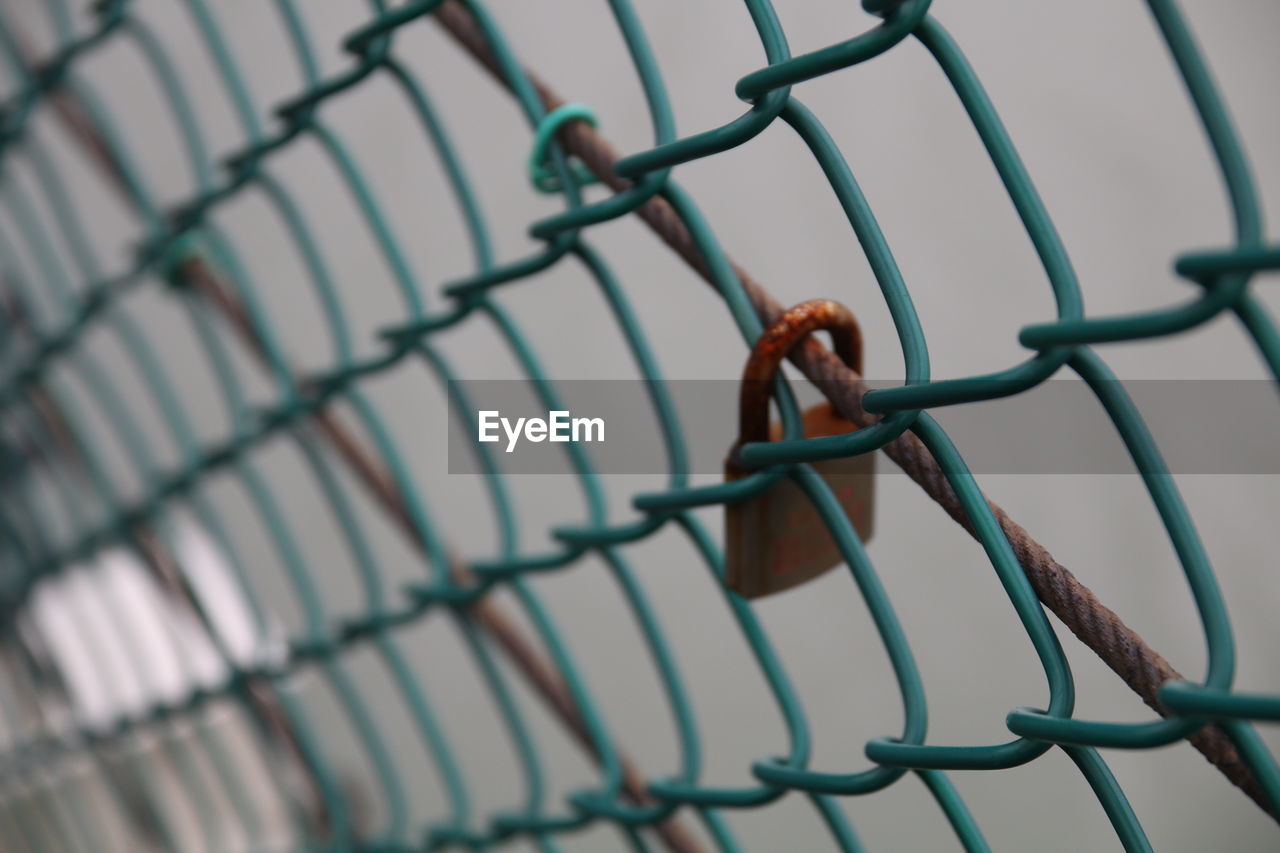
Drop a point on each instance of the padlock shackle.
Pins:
(791, 329)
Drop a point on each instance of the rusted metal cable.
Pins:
(1096, 625)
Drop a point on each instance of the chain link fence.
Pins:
(152, 692)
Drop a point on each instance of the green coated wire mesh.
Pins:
(150, 697)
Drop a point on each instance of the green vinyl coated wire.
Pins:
(56, 299)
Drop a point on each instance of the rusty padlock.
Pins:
(777, 540)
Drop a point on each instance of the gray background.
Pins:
(1088, 94)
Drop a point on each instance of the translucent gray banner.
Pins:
(1059, 427)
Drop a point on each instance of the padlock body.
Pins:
(777, 539)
